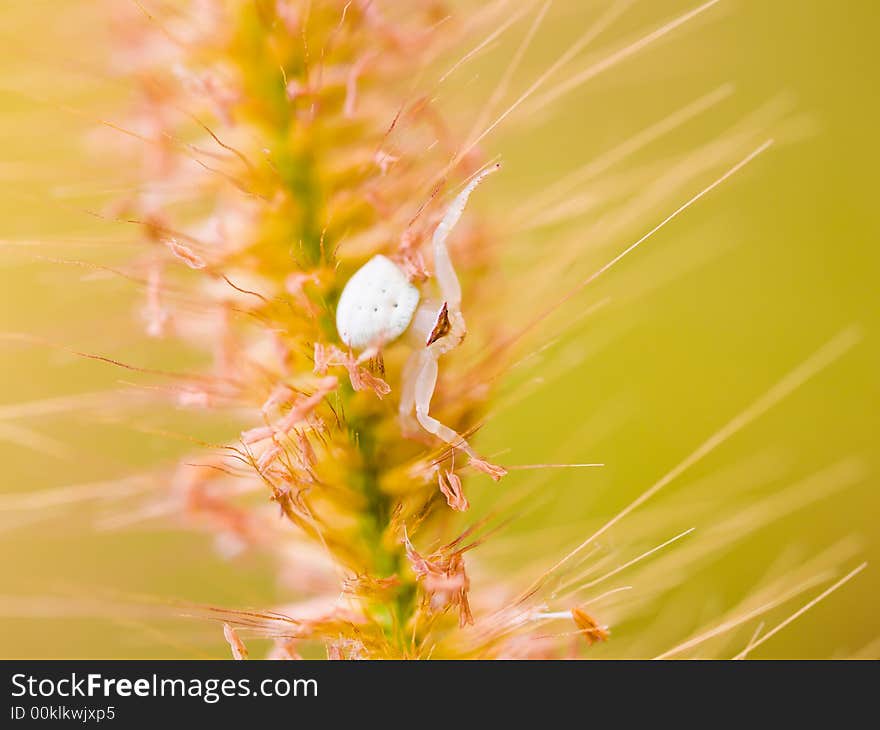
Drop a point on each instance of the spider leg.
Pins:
(423, 391)
(425, 382)
(408, 393)
(444, 271)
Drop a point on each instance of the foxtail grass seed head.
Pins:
(324, 249)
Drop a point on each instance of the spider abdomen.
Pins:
(376, 306)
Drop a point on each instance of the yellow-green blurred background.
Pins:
(707, 317)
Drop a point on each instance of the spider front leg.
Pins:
(423, 390)
(444, 271)
(423, 370)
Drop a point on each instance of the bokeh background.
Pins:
(685, 333)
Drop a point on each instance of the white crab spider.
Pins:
(379, 304)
